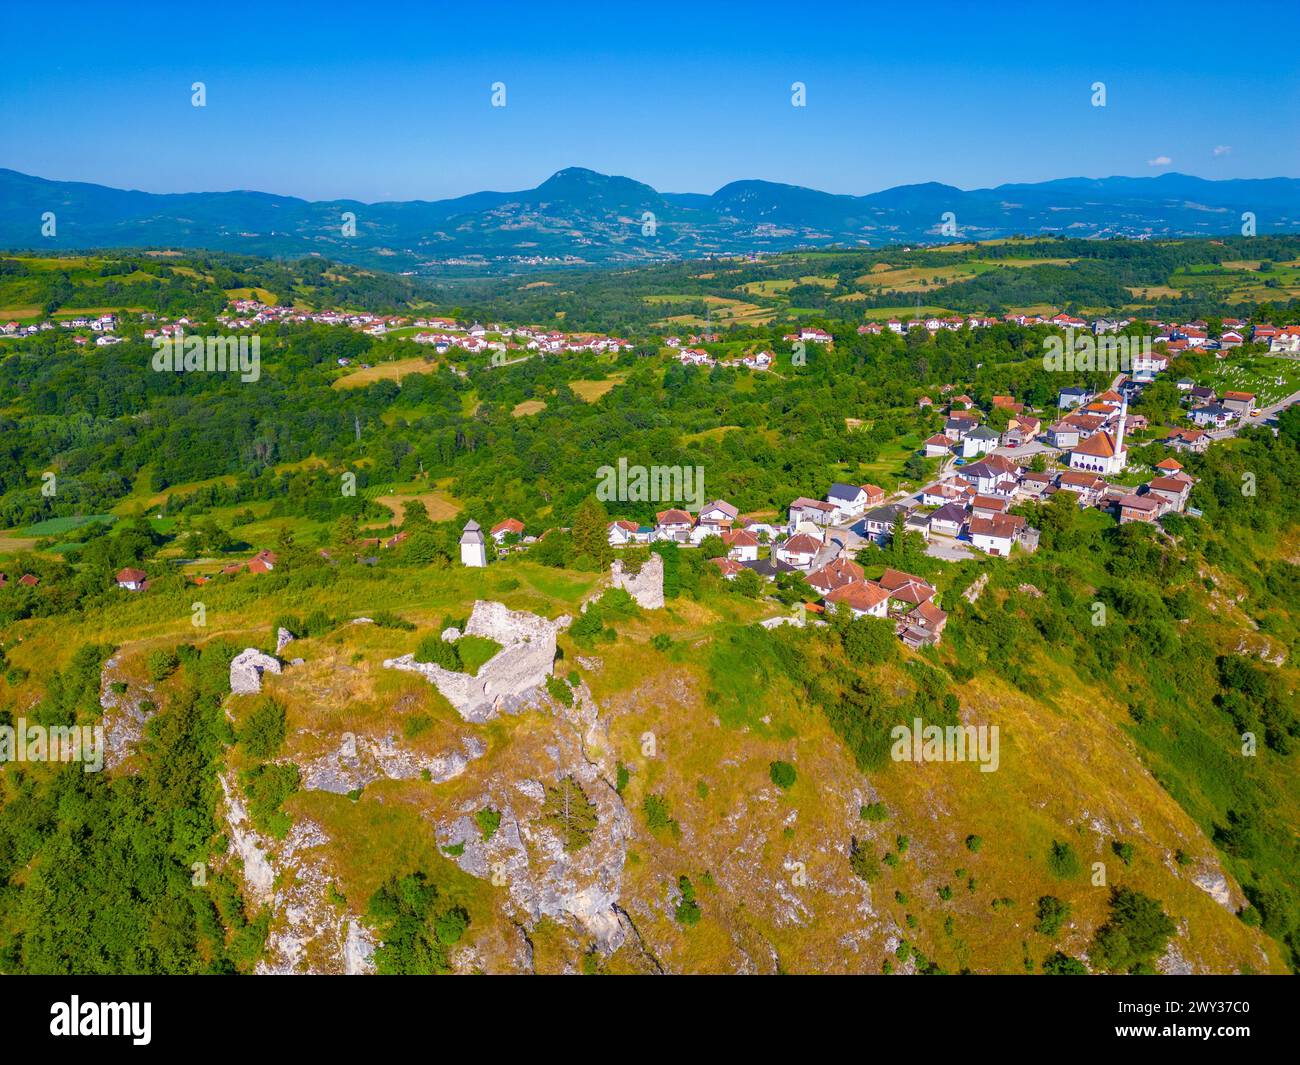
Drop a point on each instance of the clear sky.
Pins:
(393, 101)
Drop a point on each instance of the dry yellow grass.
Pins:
(590, 391)
(1154, 291)
(441, 507)
(527, 407)
(385, 371)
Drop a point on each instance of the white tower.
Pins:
(473, 549)
(1121, 459)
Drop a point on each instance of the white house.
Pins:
(979, 441)
(623, 532)
(848, 499)
(995, 535)
(719, 513)
(798, 551)
(863, 598)
(133, 580)
(1213, 416)
(937, 445)
(813, 510)
(673, 525)
(742, 545)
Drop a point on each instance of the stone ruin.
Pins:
(509, 678)
(645, 586)
(246, 670)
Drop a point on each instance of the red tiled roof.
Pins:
(859, 595)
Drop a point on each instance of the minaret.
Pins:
(1119, 435)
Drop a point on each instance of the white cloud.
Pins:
(1159, 160)
(1222, 149)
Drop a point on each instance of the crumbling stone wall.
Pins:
(646, 586)
(246, 670)
(509, 677)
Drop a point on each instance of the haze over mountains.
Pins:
(579, 216)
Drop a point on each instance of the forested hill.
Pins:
(581, 216)
(198, 284)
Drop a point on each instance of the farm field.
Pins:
(393, 370)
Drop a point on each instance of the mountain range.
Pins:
(578, 216)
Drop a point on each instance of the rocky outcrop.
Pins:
(246, 670)
(283, 638)
(526, 856)
(646, 586)
(359, 760)
(125, 714)
(309, 933)
(508, 680)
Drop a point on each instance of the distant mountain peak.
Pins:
(581, 215)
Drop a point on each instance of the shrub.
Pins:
(661, 641)
(416, 725)
(263, 730)
(1134, 936)
(559, 691)
(433, 648)
(873, 811)
(415, 926)
(267, 787)
(1123, 851)
(688, 910)
(489, 821)
(1061, 964)
(318, 623)
(386, 619)
(162, 663)
(656, 813)
(974, 843)
(588, 624)
(863, 861)
(618, 605)
(1063, 861)
(1052, 913)
(783, 775)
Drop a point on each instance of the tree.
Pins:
(712, 546)
(748, 583)
(263, 730)
(1052, 913)
(591, 532)
(567, 809)
(869, 640)
(1134, 936)
(783, 775)
(415, 925)
(415, 515)
(345, 529)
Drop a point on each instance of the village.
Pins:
(1080, 447)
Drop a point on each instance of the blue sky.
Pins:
(392, 101)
